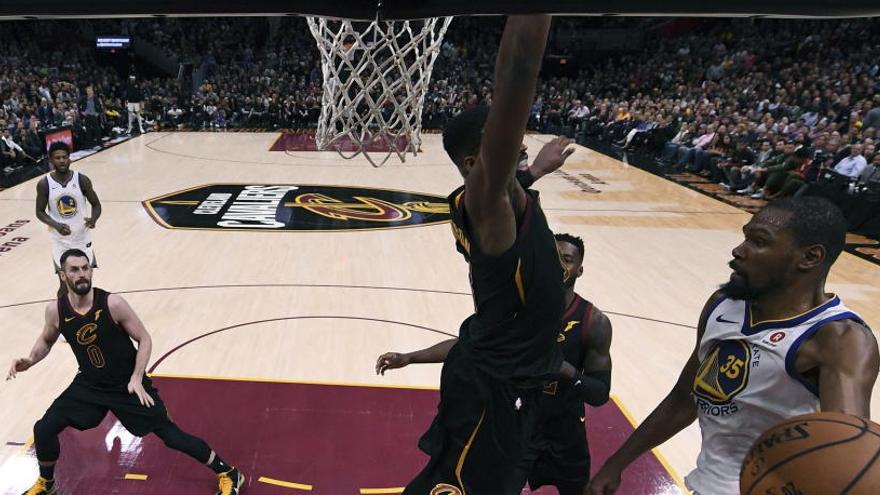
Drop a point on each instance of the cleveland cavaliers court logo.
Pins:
(295, 208)
(722, 375)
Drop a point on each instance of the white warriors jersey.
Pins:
(67, 205)
(747, 383)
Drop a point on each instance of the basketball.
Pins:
(815, 454)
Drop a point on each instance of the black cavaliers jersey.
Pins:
(518, 298)
(103, 350)
(571, 338)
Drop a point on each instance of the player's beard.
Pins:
(738, 287)
(522, 161)
(81, 287)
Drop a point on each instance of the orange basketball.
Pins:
(815, 454)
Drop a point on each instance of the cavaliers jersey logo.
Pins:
(724, 373)
(568, 327)
(444, 489)
(295, 208)
(66, 206)
(86, 337)
(87, 334)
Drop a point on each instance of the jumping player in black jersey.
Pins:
(558, 455)
(493, 379)
(100, 327)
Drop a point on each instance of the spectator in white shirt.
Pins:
(686, 155)
(853, 165)
(579, 111)
(670, 149)
(10, 143)
(11, 154)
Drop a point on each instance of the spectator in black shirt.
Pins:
(44, 113)
(91, 110)
(731, 167)
(30, 143)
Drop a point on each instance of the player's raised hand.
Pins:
(18, 365)
(391, 361)
(552, 156)
(135, 387)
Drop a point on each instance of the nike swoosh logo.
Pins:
(721, 319)
(69, 319)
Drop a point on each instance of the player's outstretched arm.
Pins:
(849, 362)
(674, 414)
(42, 346)
(129, 321)
(394, 360)
(487, 198)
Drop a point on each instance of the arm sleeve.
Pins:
(593, 387)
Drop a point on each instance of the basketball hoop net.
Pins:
(376, 75)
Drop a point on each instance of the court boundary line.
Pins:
(318, 160)
(256, 286)
(656, 451)
(851, 249)
(286, 318)
(330, 286)
(290, 382)
(39, 177)
(561, 210)
(614, 398)
(285, 484)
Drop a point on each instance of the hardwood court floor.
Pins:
(320, 306)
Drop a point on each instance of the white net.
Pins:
(376, 75)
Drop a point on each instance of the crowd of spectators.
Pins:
(769, 108)
(765, 108)
(40, 90)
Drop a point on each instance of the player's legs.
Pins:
(520, 475)
(567, 481)
(450, 451)
(570, 488)
(230, 479)
(140, 421)
(479, 436)
(564, 460)
(131, 107)
(71, 409)
(46, 432)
